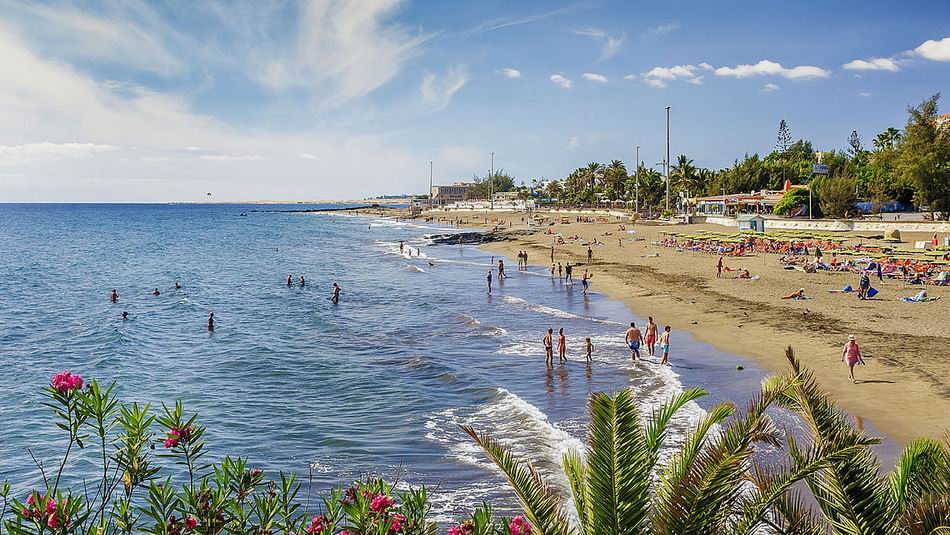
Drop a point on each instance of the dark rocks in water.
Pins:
(470, 238)
(312, 210)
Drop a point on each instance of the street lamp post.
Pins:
(491, 184)
(667, 158)
(430, 185)
(636, 204)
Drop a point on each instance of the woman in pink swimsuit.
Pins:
(852, 355)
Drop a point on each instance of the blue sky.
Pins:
(144, 101)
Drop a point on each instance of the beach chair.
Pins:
(942, 279)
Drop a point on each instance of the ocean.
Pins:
(377, 384)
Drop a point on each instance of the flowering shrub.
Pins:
(137, 492)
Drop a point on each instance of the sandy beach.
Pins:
(901, 390)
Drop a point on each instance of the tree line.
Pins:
(909, 166)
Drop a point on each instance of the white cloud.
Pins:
(508, 72)
(573, 142)
(308, 156)
(230, 158)
(562, 81)
(864, 94)
(934, 50)
(705, 66)
(46, 151)
(658, 76)
(593, 77)
(872, 64)
(771, 68)
(662, 29)
(612, 44)
(630, 77)
(437, 91)
(770, 87)
(134, 37)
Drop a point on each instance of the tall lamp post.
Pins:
(667, 158)
(491, 184)
(430, 185)
(636, 204)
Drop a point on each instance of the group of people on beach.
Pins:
(633, 337)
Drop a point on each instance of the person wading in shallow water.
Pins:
(634, 339)
(211, 321)
(561, 346)
(548, 348)
(115, 296)
(335, 298)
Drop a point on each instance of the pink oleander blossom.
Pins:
(66, 381)
(170, 442)
(381, 503)
(465, 528)
(191, 522)
(519, 525)
(396, 522)
(318, 524)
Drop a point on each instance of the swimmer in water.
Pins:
(302, 281)
(335, 298)
(211, 321)
(125, 315)
(156, 292)
(290, 280)
(177, 286)
(115, 296)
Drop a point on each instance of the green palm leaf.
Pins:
(540, 505)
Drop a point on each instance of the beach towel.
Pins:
(847, 289)
(872, 292)
(919, 297)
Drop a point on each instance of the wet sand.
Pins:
(902, 389)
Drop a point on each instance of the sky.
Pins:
(142, 101)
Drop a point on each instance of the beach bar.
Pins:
(753, 222)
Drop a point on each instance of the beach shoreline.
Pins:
(901, 390)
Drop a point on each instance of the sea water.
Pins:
(377, 384)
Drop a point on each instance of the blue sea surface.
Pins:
(378, 384)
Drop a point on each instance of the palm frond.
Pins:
(576, 473)
(921, 469)
(656, 428)
(540, 505)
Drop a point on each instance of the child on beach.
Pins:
(561, 346)
(665, 345)
(590, 348)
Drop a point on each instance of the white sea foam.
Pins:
(551, 311)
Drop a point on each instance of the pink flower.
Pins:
(30, 500)
(53, 521)
(50, 506)
(317, 524)
(191, 522)
(396, 522)
(65, 381)
(171, 442)
(465, 528)
(381, 503)
(519, 525)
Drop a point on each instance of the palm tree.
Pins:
(685, 175)
(701, 490)
(887, 139)
(593, 172)
(851, 493)
(615, 174)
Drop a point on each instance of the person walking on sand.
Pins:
(584, 281)
(719, 268)
(561, 346)
(548, 348)
(335, 298)
(634, 338)
(569, 273)
(665, 345)
(651, 336)
(211, 321)
(489, 282)
(590, 349)
(590, 254)
(114, 297)
(552, 253)
(851, 354)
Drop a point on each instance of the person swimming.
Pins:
(290, 280)
(302, 281)
(115, 296)
(156, 292)
(125, 315)
(177, 285)
(211, 321)
(335, 298)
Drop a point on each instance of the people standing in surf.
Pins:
(290, 280)
(501, 270)
(548, 342)
(585, 281)
(211, 321)
(561, 346)
(590, 350)
(524, 256)
(634, 338)
(851, 355)
(335, 298)
(489, 282)
(569, 273)
(665, 345)
(402, 246)
(560, 271)
(114, 297)
(651, 336)
(302, 281)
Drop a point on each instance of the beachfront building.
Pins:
(751, 222)
(732, 204)
(453, 193)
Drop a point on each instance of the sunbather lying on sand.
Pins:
(800, 294)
